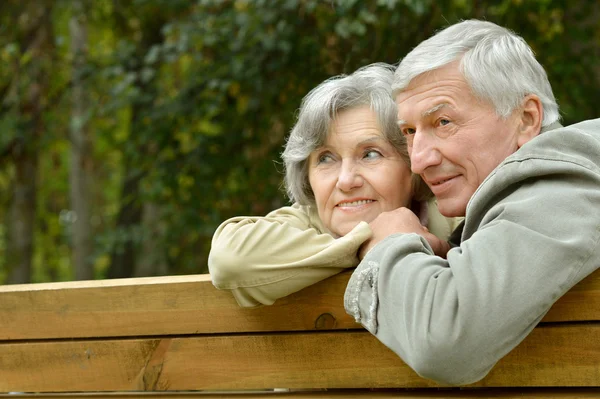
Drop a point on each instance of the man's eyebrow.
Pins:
(426, 113)
(434, 109)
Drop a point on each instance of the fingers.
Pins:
(439, 246)
(401, 220)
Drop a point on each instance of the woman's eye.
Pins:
(324, 158)
(372, 154)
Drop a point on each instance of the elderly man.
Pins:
(482, 128)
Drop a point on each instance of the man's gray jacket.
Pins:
(531, 232)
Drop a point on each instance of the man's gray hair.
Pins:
(498, 65)
(370, 86)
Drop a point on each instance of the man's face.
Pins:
(454, 139)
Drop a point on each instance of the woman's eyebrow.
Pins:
(371, 139)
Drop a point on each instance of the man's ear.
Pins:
(531, 115)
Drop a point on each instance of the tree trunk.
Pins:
(20, 226)
(123, 258)
(81, 157)
(21, 217)
(152, 260)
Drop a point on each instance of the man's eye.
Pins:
(444, 122)
(408, 131)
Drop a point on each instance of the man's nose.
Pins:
(349, 177)
(423, 152)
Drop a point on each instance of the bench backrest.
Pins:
(170, 334)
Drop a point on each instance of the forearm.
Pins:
(268, 293)
(262, 260)
(439, 319)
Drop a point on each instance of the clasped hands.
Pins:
(401, 220)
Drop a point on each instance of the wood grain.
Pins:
(561, 355)
(156, 306)
(518, 393)
(191, 305)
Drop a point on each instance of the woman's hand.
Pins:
(401, 220)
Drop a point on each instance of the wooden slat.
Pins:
(159, 306)
(190, 305)
(580, 303)
(520, 393)
(559, 355)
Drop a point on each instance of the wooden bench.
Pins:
(180, 337)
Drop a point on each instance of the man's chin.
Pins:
(451, 208)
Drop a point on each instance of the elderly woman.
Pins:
(345, 163)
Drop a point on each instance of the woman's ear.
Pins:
(531, 116)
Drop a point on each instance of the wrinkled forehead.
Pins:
(434, 91)
(405, 80)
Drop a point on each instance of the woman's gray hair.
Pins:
(498, 65)
(370, 85)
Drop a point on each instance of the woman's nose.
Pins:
(350, 177)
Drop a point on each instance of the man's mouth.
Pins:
(441, 181)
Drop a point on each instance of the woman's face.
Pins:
(357, 173)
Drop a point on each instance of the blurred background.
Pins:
(129, 129)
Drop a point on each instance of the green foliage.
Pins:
(191, 102)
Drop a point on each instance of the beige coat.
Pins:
(261, 259)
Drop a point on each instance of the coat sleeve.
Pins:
(261, 259)
(531, 233)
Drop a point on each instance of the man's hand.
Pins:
(401, 220)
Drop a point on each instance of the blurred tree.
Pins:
(186, 105)
(81, 174)
(142, 22)
(24, 100)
